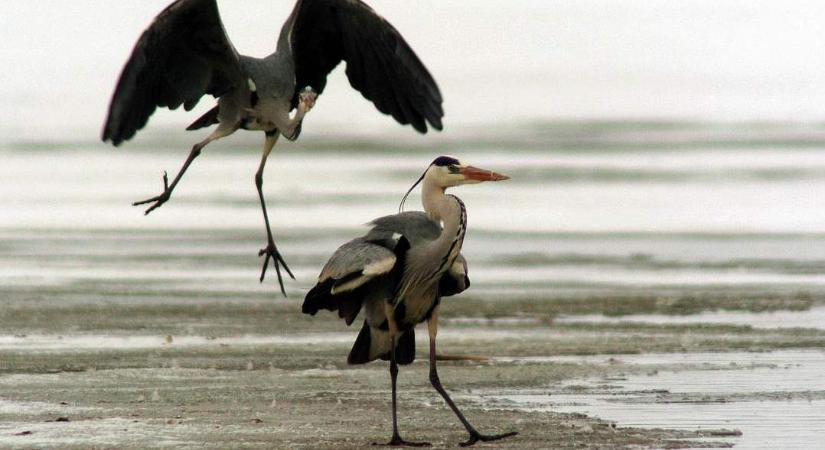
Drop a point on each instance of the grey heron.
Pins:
(398, 273)
(185, 54)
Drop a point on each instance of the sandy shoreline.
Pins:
(224, 385)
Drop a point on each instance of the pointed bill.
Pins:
(474, 173)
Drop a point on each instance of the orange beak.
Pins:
(474, 173)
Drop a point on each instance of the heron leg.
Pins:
(396, 440)
(159, 200)
(475, 436)
(271, 250)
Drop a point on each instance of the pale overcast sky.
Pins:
(496, 61)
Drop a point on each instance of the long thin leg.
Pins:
(475, 436)
(307, 101)
(270, 251)
(159, 200)
(396, 440)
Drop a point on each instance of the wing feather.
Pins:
(417, 228)
(359, 269)
(380, 63)
(455, 280)
(182, 56)
(358, 256)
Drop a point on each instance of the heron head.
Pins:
(447, 171)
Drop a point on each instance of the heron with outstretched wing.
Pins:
(186, 54)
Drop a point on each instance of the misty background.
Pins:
(498, 63)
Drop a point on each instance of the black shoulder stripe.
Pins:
(459, 237)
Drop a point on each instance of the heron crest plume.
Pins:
(440, 161)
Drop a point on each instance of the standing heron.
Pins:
(186, 54)
(398, 273)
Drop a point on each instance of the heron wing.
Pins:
(456, 279)
(418, 228)
(183, 55)
(355, 263)
(358, 269)
(380, 63)
(414, 225)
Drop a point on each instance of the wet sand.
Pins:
(177, 373)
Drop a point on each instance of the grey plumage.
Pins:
(398, 272)
(420, 229)
(186, 54)
(366, 271)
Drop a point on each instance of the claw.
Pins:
(159, 199)
(307, 98)
(398, 442)
(475, 437)
(271, 251)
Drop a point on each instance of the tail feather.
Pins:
(405, 350)
(360, 353)
(318, 298)
(210, 118)
(374, 343)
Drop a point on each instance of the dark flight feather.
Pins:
(182, 56)
(380, 63)
(348, 303)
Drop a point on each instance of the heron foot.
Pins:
(475, 437)
(271, 252)
(396, 441)
(159, 199)
(307, 98)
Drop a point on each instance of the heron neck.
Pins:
(447, 210)
(434, 200)
(426, 263)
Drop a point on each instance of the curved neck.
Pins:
(447, 210)
(434, 200)
(425, 264)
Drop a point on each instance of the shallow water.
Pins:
(813, 318)
(614, 216)
(99, 342)
(774, 399)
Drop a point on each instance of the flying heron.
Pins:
(186, 54)
(398, 273)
